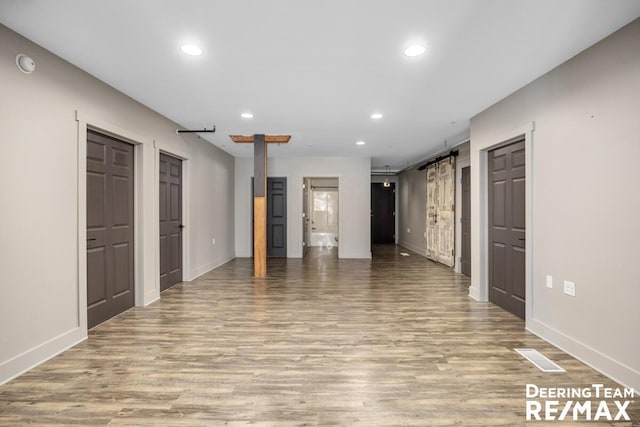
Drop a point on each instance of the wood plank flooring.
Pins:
(320, 341)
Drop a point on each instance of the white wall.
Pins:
(584, 201)
(354, 200)
(43, 122)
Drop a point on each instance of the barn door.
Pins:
(446, 211)
(441, 211)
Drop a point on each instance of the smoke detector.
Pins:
(25, 63)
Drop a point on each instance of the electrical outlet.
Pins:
(408, 230)
(569, 288)
(213, 241)
(549, 282)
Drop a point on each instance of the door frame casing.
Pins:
(479, 289)
(298, 181)
(183, 156)
(461, 163)
(146, 211)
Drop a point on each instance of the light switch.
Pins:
(549, 281)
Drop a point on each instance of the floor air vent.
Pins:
(404, 254)
(539, 359)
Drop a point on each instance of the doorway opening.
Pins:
(320, 213)
(383, 215)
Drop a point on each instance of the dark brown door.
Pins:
(170, 221)
(277, 217)
(507, 227)
(383, 205)
(109, 227)
(465, 262)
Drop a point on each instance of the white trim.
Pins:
(196, 273)
(419, 251)
(595, 359)
(145, 292)
(39, 354)
(299, 224)
(479, 289)
(460, 164)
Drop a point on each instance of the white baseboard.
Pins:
(153, 297)
(474, 293)
(39, 354)
(354, 255)
(622, 374)
(419, 251)
(194, 274)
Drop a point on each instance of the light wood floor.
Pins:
(389, 341)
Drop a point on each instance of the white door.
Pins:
(432, 212)
(446, 211)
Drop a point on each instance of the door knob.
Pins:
(181, 226)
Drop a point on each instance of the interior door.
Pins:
(465, 250)
(170, 221)
(110, 263)
(507, 227)
(432, 212)
(445, 203)
(383, 203)
(277, 217)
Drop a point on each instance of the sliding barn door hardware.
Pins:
(205, 130)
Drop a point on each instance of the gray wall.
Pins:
(43, 119)
(584, 201)
(412, 207)
(354, 200)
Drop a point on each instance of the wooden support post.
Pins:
(260, 195)
(259, 206)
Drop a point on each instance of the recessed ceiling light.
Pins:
(191, 49)
(360, 143)
(415, 50)
(246, 115)
(376, 116)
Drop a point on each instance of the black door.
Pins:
(383, 221)
(170, 221)
(465, 263)
(507, 227)
(277, 217)
(109, 227)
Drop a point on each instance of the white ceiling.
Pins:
(319, 69)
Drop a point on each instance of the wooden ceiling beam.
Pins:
(269, 139)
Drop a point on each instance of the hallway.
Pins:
(390, 341)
